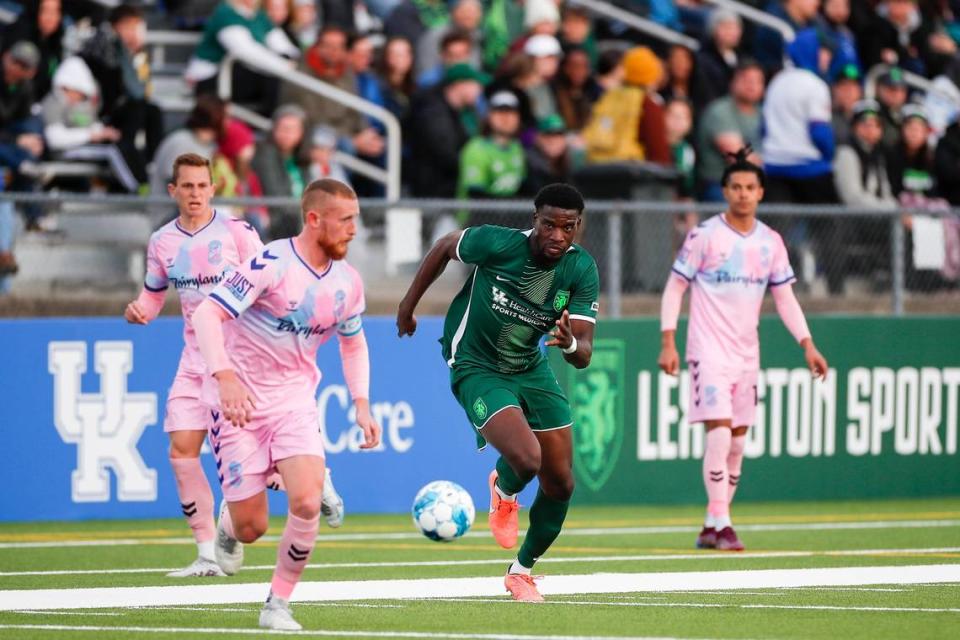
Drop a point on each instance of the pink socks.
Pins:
(293, 554)
(715, 471)
(196, 500)
(735, 464)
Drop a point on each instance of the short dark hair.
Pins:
(561, 196)
(124, 12)
(324, 188)
(209, 112)
(738, 163)
(746, 64)
(453, 36)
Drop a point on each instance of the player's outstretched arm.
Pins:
(669, 360)
(788, 307)
(235, 401)
(145, 308)
(430, 269)
(575, 340)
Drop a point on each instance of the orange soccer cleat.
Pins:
(522, 587)
(503, 516)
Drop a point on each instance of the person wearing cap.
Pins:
(42, 24)
(550, 159)
(16, 99)
(442, 119)
(910, 164)
(545, 51)
(718, 58)
(323, 144)
(634, 107)
(892, 94)
(493, 165)
(845, 92)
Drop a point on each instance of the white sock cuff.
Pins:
(205, 550)
(516, 567)
(509, 497)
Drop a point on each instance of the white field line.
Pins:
(364, 590)
(600, 531)
(316, 633)
(494, 561)
(723, 605)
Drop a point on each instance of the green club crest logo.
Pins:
(480, 409)
(560, 300)
(597, 399)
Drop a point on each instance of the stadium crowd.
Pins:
(498, 98)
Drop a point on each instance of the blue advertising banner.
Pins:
(82, 421)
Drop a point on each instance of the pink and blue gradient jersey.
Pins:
(194, 263)
(283, 311)
(729, 273)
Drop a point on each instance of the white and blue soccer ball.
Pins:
(443, 511)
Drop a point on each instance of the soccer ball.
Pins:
(443, 511)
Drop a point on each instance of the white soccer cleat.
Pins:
(331, 505)
(276, 615)
(199, 568)
(229, 551)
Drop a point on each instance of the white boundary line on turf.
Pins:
(318, 632)
(366, 590)
(599, 531)
(722, 605)
(494, 561)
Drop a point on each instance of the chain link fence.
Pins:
(888, 258)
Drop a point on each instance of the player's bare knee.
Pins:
(251, 531)
(306, 507)
(526, 464)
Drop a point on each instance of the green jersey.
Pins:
(510, 301)
(496, 170)
(224, 16)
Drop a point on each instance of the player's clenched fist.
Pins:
(371, 430)
(406, 322)
(134, 314)
(235, 401)
(669, 360)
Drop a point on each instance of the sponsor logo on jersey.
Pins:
(597, 408)
(238, 285)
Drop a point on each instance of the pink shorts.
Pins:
(721, 393)
(185, 411)
(247, 457)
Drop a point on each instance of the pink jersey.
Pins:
(284, 311)
(195, 263)
(729, 274)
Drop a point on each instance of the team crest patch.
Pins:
(480, 409)
(560, 300)
(215, 252)
(339, 304)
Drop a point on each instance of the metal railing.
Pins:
(644, 25)
(614, 230)
(873, 76)
(158, 41)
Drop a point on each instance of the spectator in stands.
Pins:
(942, 101)
(768, 45)
(899, 36)
(303, 26)
(947, 164)
(860, 169)
(442, 120)
(550, 159)
(727, 125)
(21, 142)
(242, 29)
(717, 59)
(910, 165)
(576, 32)
(545, 51)
(360, 57)
(323, 145)
(540, 18)
(455, 47)
(610, 70)
(199, 136)
(73, 130)
(396, 76)
(679, 77)
(576, 89)
(279, 165)
(518, 73)
(412, 19)
(465, 17)
(846, 91)
(117, 60)
(633, 107)
(8, 232)
(278, 11)
(493, 165)
(892, 95)
(234, 177)
(833, 20)
(678, 117)
(41, 23)
(328, 61)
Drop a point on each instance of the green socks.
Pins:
(508, 480)
(546, 520)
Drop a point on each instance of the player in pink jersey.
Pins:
(729, 261)
(192, 253)
(284, 303)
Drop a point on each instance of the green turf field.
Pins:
(868, 570)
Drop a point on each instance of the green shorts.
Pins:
(483, 393)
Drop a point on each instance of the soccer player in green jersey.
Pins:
(525, 284)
